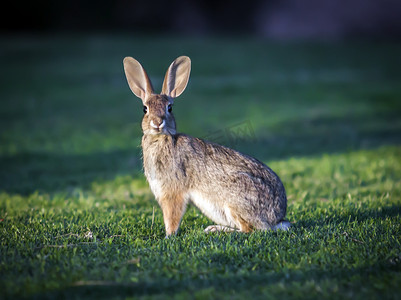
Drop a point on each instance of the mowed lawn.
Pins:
(77, 218)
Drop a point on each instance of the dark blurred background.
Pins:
(328, 19)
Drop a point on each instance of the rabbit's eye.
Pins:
(145, 109)
(169, 108)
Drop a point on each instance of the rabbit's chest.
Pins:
(155, 179)
(155, 186)
(159, 174)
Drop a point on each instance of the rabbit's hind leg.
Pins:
(239, 220)
(235, 218)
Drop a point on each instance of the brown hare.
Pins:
(234, 190)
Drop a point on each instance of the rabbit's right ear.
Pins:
(137, 78)
(177, 77)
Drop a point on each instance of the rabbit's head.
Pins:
(158, 117)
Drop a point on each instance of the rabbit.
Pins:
(234, 190)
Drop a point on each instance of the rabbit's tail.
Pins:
(283, 225)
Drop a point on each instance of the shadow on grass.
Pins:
(29, 172)
(351, 216)
(44, 172)
(352, 279)
(319, 135)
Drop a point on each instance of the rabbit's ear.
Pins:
(137, 78)
(177, 77)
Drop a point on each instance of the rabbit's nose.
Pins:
(157, 125)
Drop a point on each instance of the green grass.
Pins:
(77, 219)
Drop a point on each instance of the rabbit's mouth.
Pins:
(167, 131)
(158, 130)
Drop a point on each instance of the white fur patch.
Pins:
(153, 124)
(154, 183)
(212, 210)
(283, 225)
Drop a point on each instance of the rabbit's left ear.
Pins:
(137, 78)
(177, 77)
